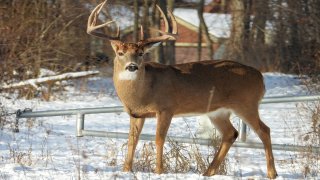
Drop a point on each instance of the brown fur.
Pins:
(163, 91)
(190, 85)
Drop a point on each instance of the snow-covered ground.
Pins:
(47, 148)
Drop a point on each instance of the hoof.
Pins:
(272, 175)
(159, 171)
(209, 173)
(127, 169)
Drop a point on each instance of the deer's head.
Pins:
(129, 56)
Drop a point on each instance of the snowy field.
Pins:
(47, 148)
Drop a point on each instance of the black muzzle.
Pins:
(132, 67)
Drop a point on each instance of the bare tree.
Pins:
(170, 45)
(235, 46)
(203, 29)
(41, 34)
(259, 21)
(145, 18)
(247, 40)
(296, 29)
(136, 20)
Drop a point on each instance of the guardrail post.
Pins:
(243, 131)
(80, 124)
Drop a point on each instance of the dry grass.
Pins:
(310, 161)
(311, 111)
(180, 157)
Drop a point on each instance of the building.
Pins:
(188, 25)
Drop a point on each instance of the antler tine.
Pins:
(174, 23)
(166, 24)
(141, 33)
(92, 17)
(118, 32)
(92, 21)
(165, 35)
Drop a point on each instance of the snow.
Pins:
(47, 148)
(122, 15)
(34, 82)
(196, 1)
(218, 24)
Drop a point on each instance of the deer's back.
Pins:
(209, 85)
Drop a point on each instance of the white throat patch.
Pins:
(127, 75)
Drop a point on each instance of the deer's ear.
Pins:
(150, 46)
(115, 45)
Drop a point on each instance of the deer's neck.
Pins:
(131, 87)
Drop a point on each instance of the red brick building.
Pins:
(188, 25)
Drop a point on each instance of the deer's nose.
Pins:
(132, 67)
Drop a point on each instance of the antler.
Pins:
(92, 21)
(166, 35)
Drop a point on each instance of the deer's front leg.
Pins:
(163, 123)
(136, 125)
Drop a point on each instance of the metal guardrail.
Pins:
(277, 99)
(207, 142)
(118, 109)
(29, 113)
(283, 99)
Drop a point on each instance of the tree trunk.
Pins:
(170, 47)
(204, 29)
(145, 19)
(146, 25)
(259, 22)
(234, 50)
(199, 48)
(247, 21)
(295, 49)
(136, 21)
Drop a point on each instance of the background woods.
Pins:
(272, 35)
(275, 34)
(44, 47)
(41, 34)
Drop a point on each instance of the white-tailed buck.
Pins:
(215, 88)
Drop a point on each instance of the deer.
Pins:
(216, 88)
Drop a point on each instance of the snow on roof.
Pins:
(197, 1)
(219, 25)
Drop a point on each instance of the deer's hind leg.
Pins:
(229, 134)
(251, 117)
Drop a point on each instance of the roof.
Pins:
(219, 25)
(197, 1)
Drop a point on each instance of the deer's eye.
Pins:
(120, 53)
(140, 54)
